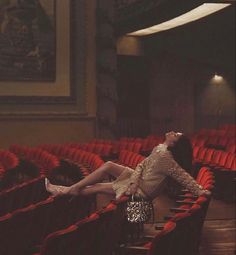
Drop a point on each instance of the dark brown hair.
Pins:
(182, 152)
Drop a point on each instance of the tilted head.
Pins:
(172, 137)
(181, 149)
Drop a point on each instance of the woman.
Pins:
(173, 159)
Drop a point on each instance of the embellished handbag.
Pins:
(139, 210)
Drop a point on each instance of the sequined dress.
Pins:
(152, 174)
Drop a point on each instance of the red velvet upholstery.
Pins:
(76, 239)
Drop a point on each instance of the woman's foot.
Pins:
(74, 190)
(56, 190)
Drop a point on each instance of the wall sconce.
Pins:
(217, 80)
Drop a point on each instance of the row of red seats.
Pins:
(181, 233)
(130, 159)
(220, 142)
(99, 233)
(123, 145)
(103, 150)
(228, 127)
(147, 144)
(218, 138)
(22, 195)
(223, 164)
(130, 139)
(226, 130)
(177, 236)
(128, 143)
(216, 159)
(188, 202)
(68, 154)
(231, 148)
(78, 237)
(77, 156)
(45, 161)
(8, 161)
(26, 228)
(222, 138)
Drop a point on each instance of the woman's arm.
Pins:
(137, 174)
(171, 168)
(134, 179)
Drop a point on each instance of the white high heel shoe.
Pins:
(47, 185)
(55, 190)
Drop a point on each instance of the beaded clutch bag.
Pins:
(139, 210)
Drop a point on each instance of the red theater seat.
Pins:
(76, 239)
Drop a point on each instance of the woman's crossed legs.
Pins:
(90, 184)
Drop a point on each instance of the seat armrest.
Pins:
(160, 226)
(168, 217)
(188, 196)
(148, 238)
(134, 250)
(185, 202)
(142, 241)
(177, 210)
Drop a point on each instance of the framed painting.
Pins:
(27, 40)
(40, 63)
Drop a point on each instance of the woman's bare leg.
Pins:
(104, 188)
(109, 168)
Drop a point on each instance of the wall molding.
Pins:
(70, 115)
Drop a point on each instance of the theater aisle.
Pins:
(219, 231)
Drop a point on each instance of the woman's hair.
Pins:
(182, 152)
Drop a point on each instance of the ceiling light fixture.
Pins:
(195, 14)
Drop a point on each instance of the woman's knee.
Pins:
(113, 169)
(110, 164)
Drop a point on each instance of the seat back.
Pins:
(76, 239)
(163, 241)
(17, 232)
(22, 195)
(104, 242)
(223, 159)
(216, 157)
(65, 212)
(208, 156)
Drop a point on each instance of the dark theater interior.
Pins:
(117, 122)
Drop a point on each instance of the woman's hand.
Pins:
(132, 189)
(207, 193)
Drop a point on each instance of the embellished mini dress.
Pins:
(152, 173)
